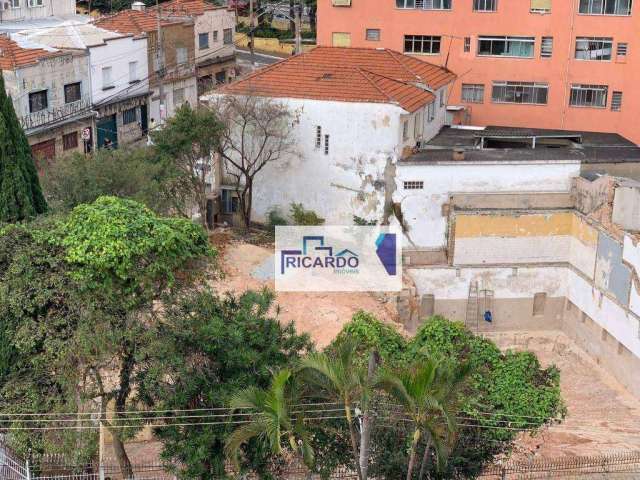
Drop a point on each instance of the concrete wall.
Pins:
(214, 20)
(423, 209)
(190, 86)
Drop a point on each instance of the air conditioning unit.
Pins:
(341, 3)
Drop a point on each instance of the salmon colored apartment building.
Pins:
(559, 64)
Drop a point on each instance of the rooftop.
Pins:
(19, 54)
(69, 34)
(526, 144)
(187, 7)
(135, 22)
(39, 23)
(348, 75)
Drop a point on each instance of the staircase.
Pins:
(471, 319)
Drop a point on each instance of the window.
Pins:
(506, 46)
(326, 144)
(442, 102)
(467, 44)
(341, 39)
(431, 112)
(203, 41)
(473, 92)
(38, 101)
(373, 34)
(622, 49)
(72, 92)
(227, 36)
(129, 116)
(318, 136)
(35, 3)
(229, 202)
(606, 7)
(413, 184)
(594, 48)
(14, 3)
(428, 44)
(520, 92)
(181, 55)
(417, 125)
(546, 47)
(107, 80)
(425, 4)
(405, 130)
(540, 6)
(588, 96)
(616, 101)
(539, 302)
(178, 97)
(133, 72)
(215, 36)
(485, 5)
(70, 141)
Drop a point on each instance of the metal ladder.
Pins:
(471, 320)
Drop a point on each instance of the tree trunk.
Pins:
(412, 454)
(292, 24)
(367, 420)
(121, 455)
(312, 20)
(425, 459)
(352, 434)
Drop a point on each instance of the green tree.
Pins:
(187, 143)
(20, 193)
(273, 421)
(429, 394)
(206, 350)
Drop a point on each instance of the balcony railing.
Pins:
(54, 115)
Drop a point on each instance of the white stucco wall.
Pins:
(214, 21)
(190, 86)
(48, 8)
(422, 209)
(117, 53)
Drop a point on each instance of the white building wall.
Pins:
(190, 86)
(506, 250)
(422, 209)
(48, 8)
(117, 53)
(215, 21)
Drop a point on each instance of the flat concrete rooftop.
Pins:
(510, 144)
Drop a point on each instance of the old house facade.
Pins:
(214, 30)
(179, 73)
(51, 94)
(119, 77)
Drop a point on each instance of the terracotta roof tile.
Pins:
(348, 75)
(131, 21)
(12, 55)
(187, 7)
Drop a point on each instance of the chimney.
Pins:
(138, 6)
(458, 154)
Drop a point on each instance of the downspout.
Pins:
(566, 71)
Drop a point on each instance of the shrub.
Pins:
(304, 217)
(275, 218)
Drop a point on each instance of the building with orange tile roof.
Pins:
(51, 95)
(358, 112)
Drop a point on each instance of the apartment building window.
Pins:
(467, 44)
(485, 5)
(178, 97)
(38, 101)
(133, 72)
(373, 34)
(532, 93)
(473, 92)
(425, 4)
(72, 92)
(428, 44)
(129, 116)
(540, 6)
(413, 184)
(506, 46)
(616, 101)
(318, 136)
(70, 141)
(405, 130)
(546, 47)
(588, 96)
(326, 144)
(107, 78)
(182, 55)
(203, 41)
(215, 36)
(36, 3)
(622, 49)
(606, 7)
(227, 36)
(14, 3)
(431, 112)
(594, 48)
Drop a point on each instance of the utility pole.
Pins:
(252, 27)
(298, 27)
(160, 65)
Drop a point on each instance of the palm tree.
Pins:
(272, 422)
(428, 393)
(341, 379)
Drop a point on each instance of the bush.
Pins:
(304, 217)
(275, 218)
(363, 222)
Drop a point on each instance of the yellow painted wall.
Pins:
(269, 45)
(526, 225)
